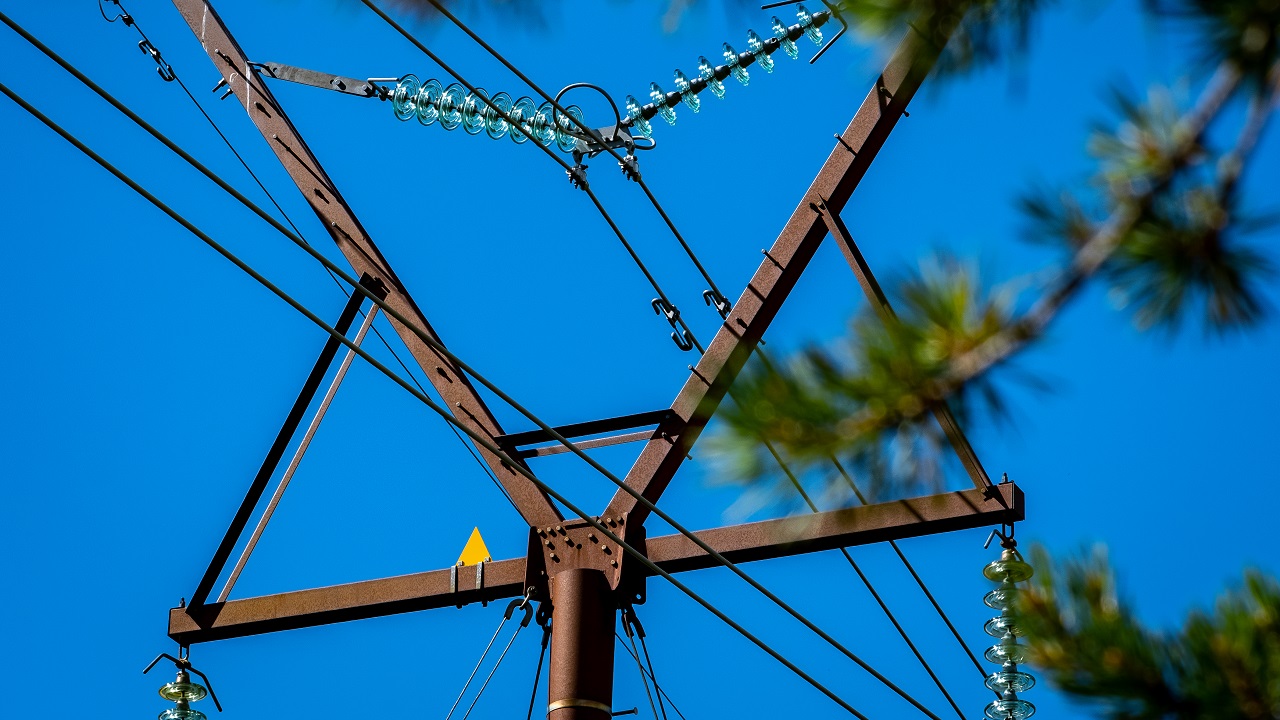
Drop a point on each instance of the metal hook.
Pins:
(126, 17)
(520, 604)
(162, 67)
(683, 340)
(720, 302)
(844, 27)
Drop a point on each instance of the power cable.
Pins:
(595, 136)
(627, 617)
(723, 309)
(672, 314)
(422, 397)
(661, 693)
(555, 435)
(295, 235)
(795, 482)
(923, 587)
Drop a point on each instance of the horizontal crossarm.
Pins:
(674, 553)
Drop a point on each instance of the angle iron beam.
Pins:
(776, 276)
(459, 394)
(875, 295)
(880, 522)
(281, 443)
(591, 427)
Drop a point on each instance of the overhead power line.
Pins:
(422, 397)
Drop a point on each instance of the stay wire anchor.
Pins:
(683, 339)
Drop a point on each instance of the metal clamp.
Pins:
(182, 662)
(453, 582)
(683, 340)
(718, 301)
(162, 67)
(578, 702)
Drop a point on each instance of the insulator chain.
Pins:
(712, 77)
(453, 107)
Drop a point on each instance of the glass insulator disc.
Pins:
(756, 47)
(566, 129)
(475, 112)
(188, 691)
(998, 626)
(731, 59)
(182, 714)
(660, 101)
(1011, 569)
(402, 98)
(497, 124)
(1010, 710)
(806, 22)
(638, 122)
(1002, 597)
(543, 127)
(1006, 653)
(1010, 681)
(708, 73)
(781, 32)
(522, 114)
(451, 106)
(427, 101)
(687, 94)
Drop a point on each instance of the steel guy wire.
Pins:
(555, 435)
(132, 22)
(476, 669)
(528, 613)
(795, 482)
(637, 176)
(296, 236)
(562, 440)
(635, 652)
(632, 621)
(911, 569)
(672, 314)
(537, 674)
(661, 693)
(423, 398)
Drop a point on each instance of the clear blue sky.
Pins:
(144, 377)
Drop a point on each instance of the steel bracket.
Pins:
(327, 81)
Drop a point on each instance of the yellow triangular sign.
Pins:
(475, 551)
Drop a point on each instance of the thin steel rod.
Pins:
(297, 459)
(537, 674)
(644, 680)
(813, 507)
(422, 397)
(493, 670)
(911, 569)
(476, 669)
(661, 693)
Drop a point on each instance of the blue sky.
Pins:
(144, 376)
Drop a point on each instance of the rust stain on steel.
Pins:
(841, 528)
(673, 553)
(776, 276)
(341, 603)
(320, 192)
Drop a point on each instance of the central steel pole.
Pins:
(580, 680)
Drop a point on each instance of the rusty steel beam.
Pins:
(875, 295)
(842, 528)
(776, 276)
(459, 394)
(674, 553)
